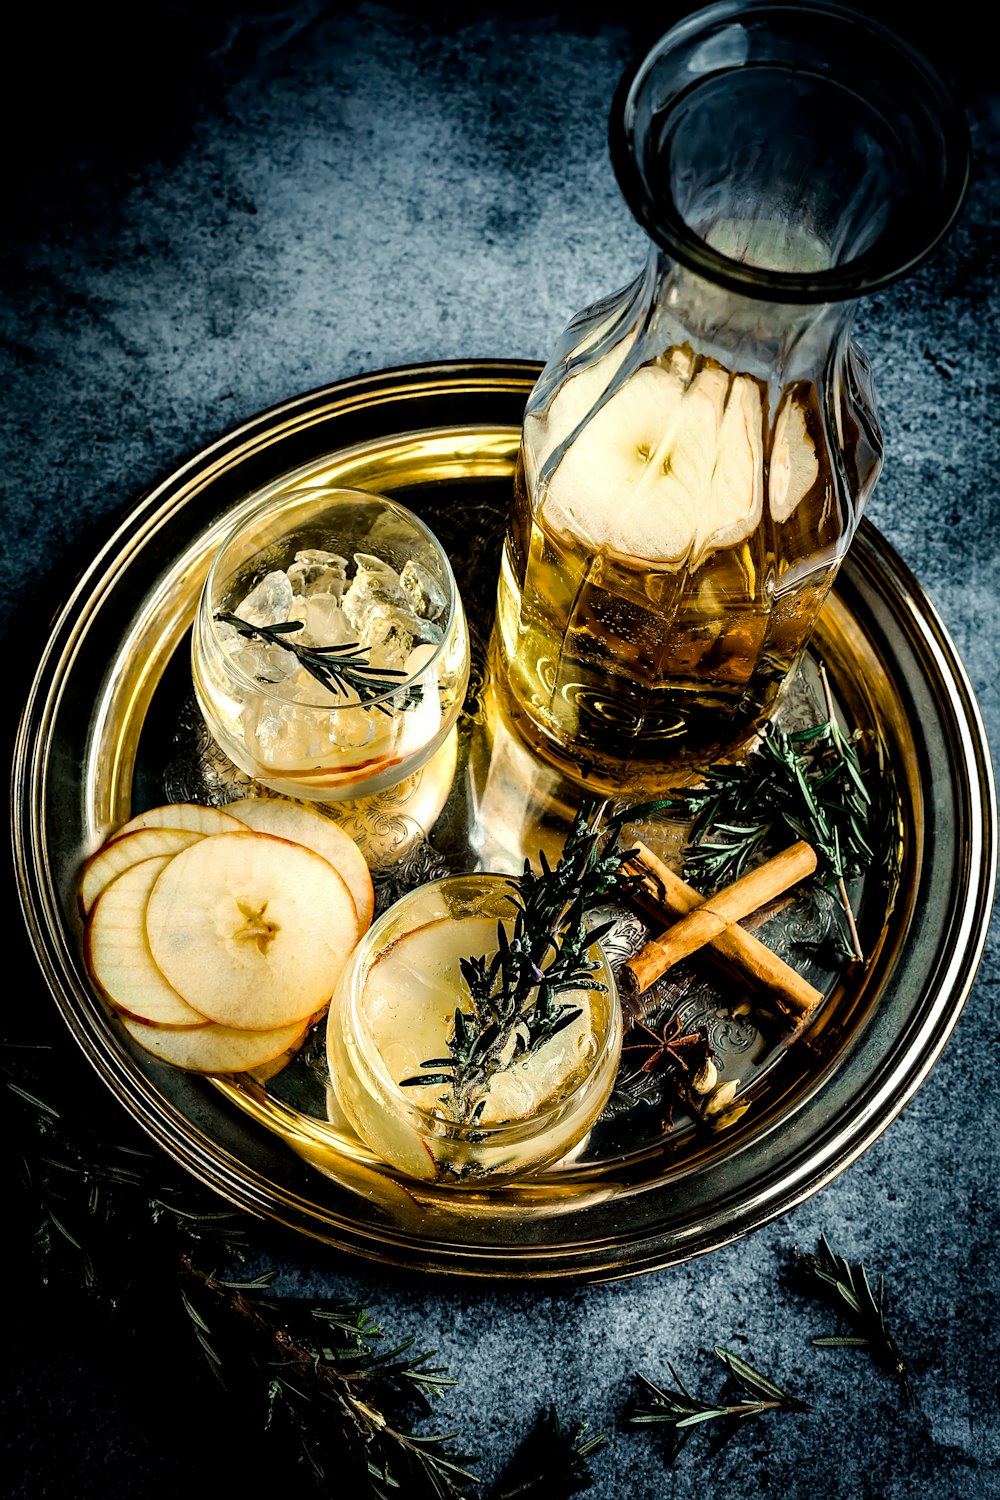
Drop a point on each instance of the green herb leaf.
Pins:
(809, 782)
(340, 669)
(513, 1007)
(678, 1410)
(846, 1287)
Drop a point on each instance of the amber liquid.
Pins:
(625, 673)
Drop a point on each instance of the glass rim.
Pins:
(275, 503)
(666, 227)
(439, 1124)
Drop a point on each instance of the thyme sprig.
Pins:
(340, 669)
(847, 1288)
(809, 781)
(681, 1411)
(513, 1006)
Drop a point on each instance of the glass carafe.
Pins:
(697, 451)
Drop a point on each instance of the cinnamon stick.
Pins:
(663, 891)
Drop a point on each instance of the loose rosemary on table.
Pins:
(332, 666)
(847, 1288)
(680, 1411)
(514, 1006)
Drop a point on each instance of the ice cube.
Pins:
(355, 728)
(385, 634)
(318, 572)
(425, 632)
(264, 663)
(326, 622)
(375, 582)
(303, 738)
(268, 603)
(426, 595)
(305, 688)
(287, 739)
(367, 562)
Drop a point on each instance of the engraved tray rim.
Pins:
(265, 1177)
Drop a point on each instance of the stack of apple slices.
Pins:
(218, 936)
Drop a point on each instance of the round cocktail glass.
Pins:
(394, 1009)
(330, 651)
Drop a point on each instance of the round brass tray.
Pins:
(110, 728)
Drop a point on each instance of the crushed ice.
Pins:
(391, 616)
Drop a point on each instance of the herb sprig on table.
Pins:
(514, 1006)
(552, 1462)
(316, 1381)
(118, 1228)
(681, 1411)
(846, 1288)
(340, 669)
(126, 1249)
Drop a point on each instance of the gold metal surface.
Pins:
(109, 728)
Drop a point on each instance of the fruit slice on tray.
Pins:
(125, 850)
(217, 943)
(118, 954)
(216, 1049)
(251, 929)
(190, 815)
(303, 824)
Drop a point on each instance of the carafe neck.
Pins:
(677, 306)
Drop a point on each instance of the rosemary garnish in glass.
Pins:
(333, 666)
(514, 1006)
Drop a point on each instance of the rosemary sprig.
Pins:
(552, 1462)
(311, 1379)
(123, 1248)
(809, 781)
(333, 666)
(681, 1411)
(514, 1007)
(849, 1290)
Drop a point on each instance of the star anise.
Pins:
(678, 1055)
(667, 1047)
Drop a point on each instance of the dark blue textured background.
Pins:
(245, 203)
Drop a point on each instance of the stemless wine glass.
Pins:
(394, 1009)
(330, 651)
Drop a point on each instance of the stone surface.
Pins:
(265, 200)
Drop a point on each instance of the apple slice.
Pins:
(250, 929)
(120, 852)
(213, 1048)
(118, 956)
(669, 468)
(303, 824)
(188, 815)
(794, 466)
